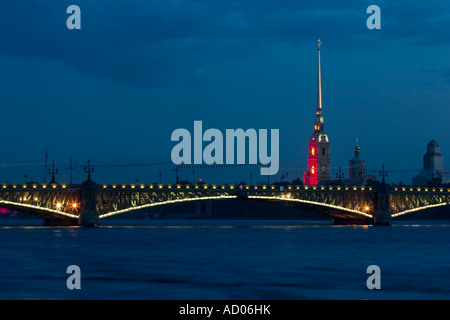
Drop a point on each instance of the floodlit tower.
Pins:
(356, 168)
(319, 145)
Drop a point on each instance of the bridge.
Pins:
(88, 203)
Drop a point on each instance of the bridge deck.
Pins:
(110, 199)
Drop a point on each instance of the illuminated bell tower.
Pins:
(318, 146)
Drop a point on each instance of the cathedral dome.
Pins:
(433, 147)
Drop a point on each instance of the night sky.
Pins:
(114, 91)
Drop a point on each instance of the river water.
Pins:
(224, 259)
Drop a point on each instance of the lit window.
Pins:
(313, 151)
(312, 170)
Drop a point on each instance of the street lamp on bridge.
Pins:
(383, 173)
(340, 175)
(53, 171)
(89, 169)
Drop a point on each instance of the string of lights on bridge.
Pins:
(225, 166)
(31, 164)
(197, 166)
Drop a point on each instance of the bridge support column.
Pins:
(59, 222)
(349, 221)
(89, 215)
(382, 216)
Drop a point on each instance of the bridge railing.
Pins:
(233, 187)
(405, 200)
(30, 186)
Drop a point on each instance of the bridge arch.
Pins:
(36, 210)
(342, 211)
(316, 204)
(394, 215)
(161, 203)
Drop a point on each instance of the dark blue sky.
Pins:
(115, 90)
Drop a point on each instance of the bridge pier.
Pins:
(59, 222)
(89, 214)
(203, 209)
(349, 221)
(383, 216)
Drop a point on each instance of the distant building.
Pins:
(357, 168)
(433, 164)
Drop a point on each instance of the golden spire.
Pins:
(319, 83)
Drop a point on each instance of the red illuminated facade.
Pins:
(318, 146)
(311, 177)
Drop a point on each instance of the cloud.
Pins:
(164, 43)
(446, 75)
(417, 21)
